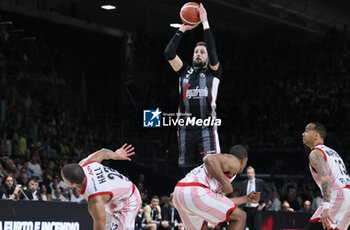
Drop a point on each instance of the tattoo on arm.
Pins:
(326, 189)
(318, 162)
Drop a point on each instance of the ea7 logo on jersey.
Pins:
(151, 118)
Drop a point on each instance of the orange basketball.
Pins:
(189, 14)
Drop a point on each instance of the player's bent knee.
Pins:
(238, 215)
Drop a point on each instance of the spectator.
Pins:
(275, 203)
(170, 214)
(153, 216)
(23, 179)
(292, 198)
(300, 203)
(306, 207)
(254, 184)
(57, 195)
(35, 167)
(10, 167)
(25, 169)
(139, 225)
(286, 207)
(9, 190)
(316, 201)
(75, 195)
(31, 191)
(50, 172)
(44, 194)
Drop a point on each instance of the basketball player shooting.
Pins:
(113, 200)
(198, 86)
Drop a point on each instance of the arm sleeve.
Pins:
(170, 49)
(210, 42)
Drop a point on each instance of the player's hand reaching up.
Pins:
(124, 152)
(183, 28)
(202, 13)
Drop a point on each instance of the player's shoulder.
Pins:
(147, 207)
(316, 155)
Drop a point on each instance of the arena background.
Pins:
(90, 73)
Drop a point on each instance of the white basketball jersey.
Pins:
(337, 171)
(102, 180)
(200, 175)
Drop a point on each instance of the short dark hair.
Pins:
(74, 173)
(34, 179)
(201, 43)
(239, 151)
(155, 197)
(319, 127)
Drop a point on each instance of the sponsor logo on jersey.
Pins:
(194, 93)
(90, 170)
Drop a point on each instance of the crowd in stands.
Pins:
(270, 89)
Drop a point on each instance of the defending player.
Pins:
(113, 200)
(198, 85)
(199, 197)
(329, 172)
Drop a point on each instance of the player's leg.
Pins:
(237, 220)
(210, 206)
(188, 153)
(125, 219)
(109, 219)
(345, 218)
(208, 141)
(181, 198)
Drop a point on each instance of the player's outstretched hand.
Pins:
(253, 197)
(124, 152)
(326, 219)
(202, 13)
(185, 27)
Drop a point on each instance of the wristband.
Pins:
(205, 25)
(326, 205)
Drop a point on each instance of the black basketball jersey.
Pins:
(198, 89)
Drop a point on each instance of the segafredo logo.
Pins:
(194, 93)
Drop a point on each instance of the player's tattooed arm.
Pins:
(318, 162)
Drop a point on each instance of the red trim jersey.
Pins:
(101, 180)
(200, 175)
(337, 171)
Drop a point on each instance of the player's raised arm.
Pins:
(209, 41)
(105, 154)
(170, 50)
(318, 162)
(216, 165)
